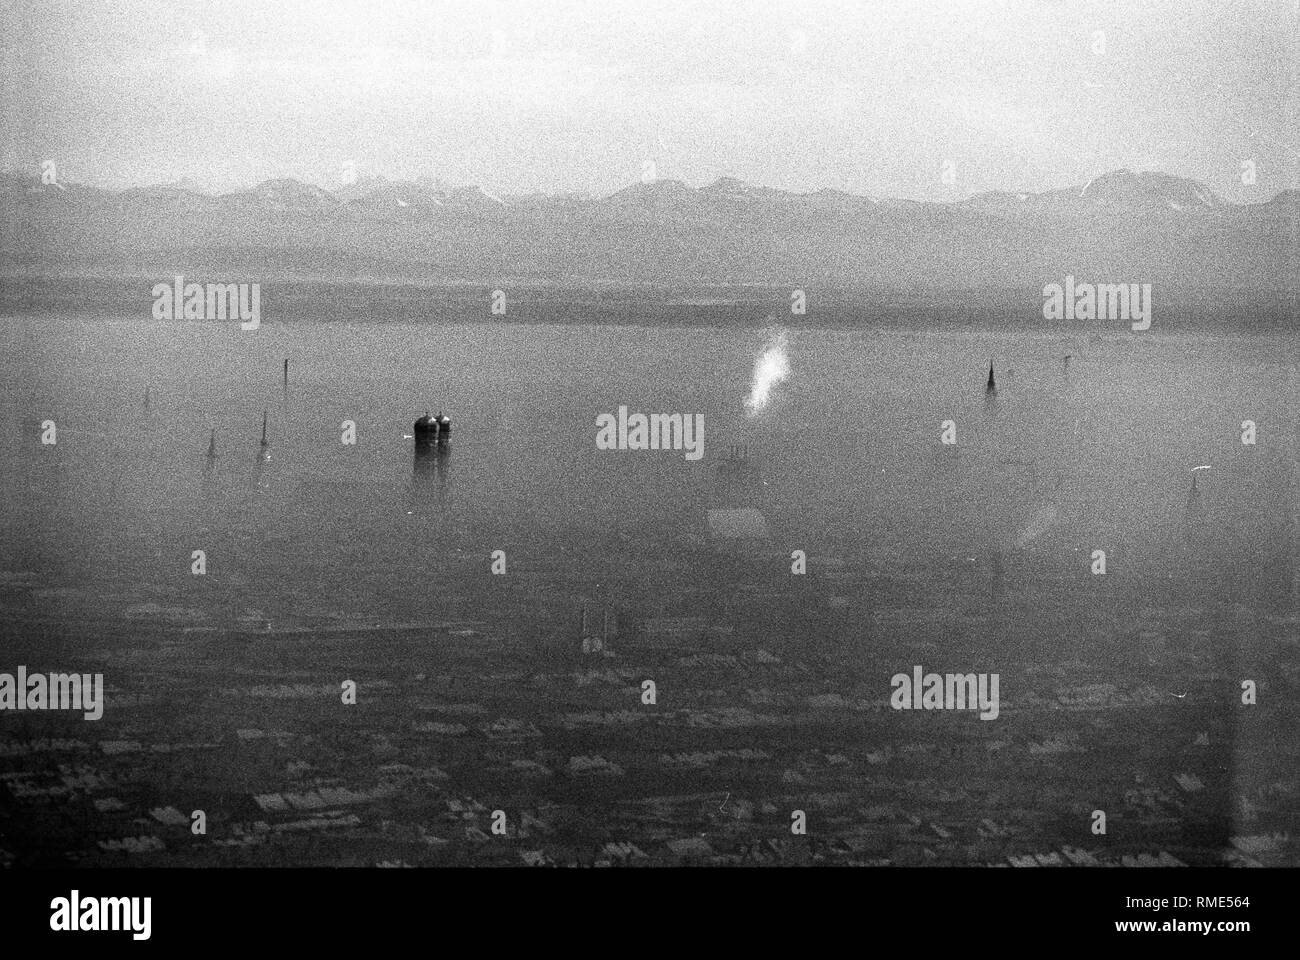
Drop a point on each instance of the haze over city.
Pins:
(648, 434)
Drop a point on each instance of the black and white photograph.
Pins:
(760, 437)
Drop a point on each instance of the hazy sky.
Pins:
(871, 97)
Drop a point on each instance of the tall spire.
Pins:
(992, 387)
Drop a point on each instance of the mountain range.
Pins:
(1120, 227)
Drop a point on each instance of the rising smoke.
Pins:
(771, 367)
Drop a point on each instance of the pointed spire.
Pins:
(263, 428)
(992, 387)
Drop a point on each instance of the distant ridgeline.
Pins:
(685, 243)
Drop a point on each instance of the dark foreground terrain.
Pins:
(1121, 704)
